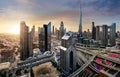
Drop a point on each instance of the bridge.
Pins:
(82, 68)
(88, 61)
(26, 66)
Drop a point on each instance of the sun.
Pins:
(15, 29)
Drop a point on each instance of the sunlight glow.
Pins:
(15, 29)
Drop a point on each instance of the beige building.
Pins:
(26, 41)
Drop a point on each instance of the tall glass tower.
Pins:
(79, 35)
(80, 24)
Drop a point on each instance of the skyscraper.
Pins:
(41, 35)
(97, 33)
(118, 34)
(105, 35)
(68, 59)
(53, 30)
(112, 34)
(67, 39)
(26, 41)
(62, 30)
(84, 34)
(30, 41)
(45, 37)
(93, 31)
(57, 34)
(88, 34)
(23, 40)
(79, 34)
(80, 24)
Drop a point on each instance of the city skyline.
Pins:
(12, 12)
(71, 38)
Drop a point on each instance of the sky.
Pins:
(39, 12)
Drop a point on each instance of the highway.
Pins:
(83, 67)
(108, 66)
(35, 59)
(81, 57)
(117, 61)
(84, 60)
(28, 64)
(80, 69)
(99, 55)
(85, 50)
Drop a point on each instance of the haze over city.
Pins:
(38, 12)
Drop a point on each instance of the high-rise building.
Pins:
(118, 34)
(68, 59)
(57, 34)
(62, 30)
(41, 35)
(53, 30)
(105, 35)
(45, 38)
(84, 34)
(88, 34)
(56, 30)
(93, 31)
(113, 34)
(26, 41)
(79, 34)
(80, 24)
(97, 33)
(23, 41)
(30, 40)
(67, 39)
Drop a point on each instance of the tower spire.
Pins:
(80, 23)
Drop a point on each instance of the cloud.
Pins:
(42, 11)
(27, 3)
(100, 7)
(108, 7)
(13, 13)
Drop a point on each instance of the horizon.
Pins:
(17, 30)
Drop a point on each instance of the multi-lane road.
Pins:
(94, 55)
(30, 63)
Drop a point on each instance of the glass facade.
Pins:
(45, 38)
